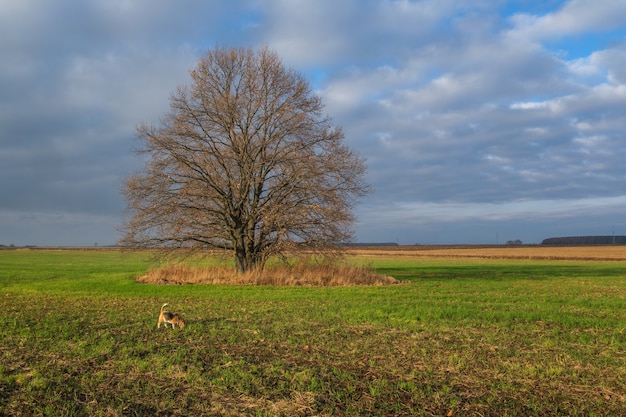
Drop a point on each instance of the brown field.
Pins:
(591, 253)
(536, 252)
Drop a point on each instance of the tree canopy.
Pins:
(244, 160)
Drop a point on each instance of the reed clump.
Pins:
(300, 274)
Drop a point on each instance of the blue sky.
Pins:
(481, 121)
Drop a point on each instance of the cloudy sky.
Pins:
(482, 121)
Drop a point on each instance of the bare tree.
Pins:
(244, 160)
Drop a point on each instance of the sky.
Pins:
(481, 121)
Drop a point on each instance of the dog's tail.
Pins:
(163, 306)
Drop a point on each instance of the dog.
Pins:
(166, 317)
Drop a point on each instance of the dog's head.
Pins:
(181, 323)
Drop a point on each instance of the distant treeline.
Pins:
(585, 240)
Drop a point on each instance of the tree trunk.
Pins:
(246, 260)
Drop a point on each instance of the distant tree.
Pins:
(514, 242)
(244, 160)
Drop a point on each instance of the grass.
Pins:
(466, 336)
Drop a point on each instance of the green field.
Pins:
(462, 337)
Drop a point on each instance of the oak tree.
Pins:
(244, 160)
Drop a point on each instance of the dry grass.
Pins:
(579, 253)
(301, 274)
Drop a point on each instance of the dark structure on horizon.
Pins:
(586, 240)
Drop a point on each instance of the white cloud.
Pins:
(530, 105)
(574, 18)
(418, 213)
(614, 60)
(309, 33)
